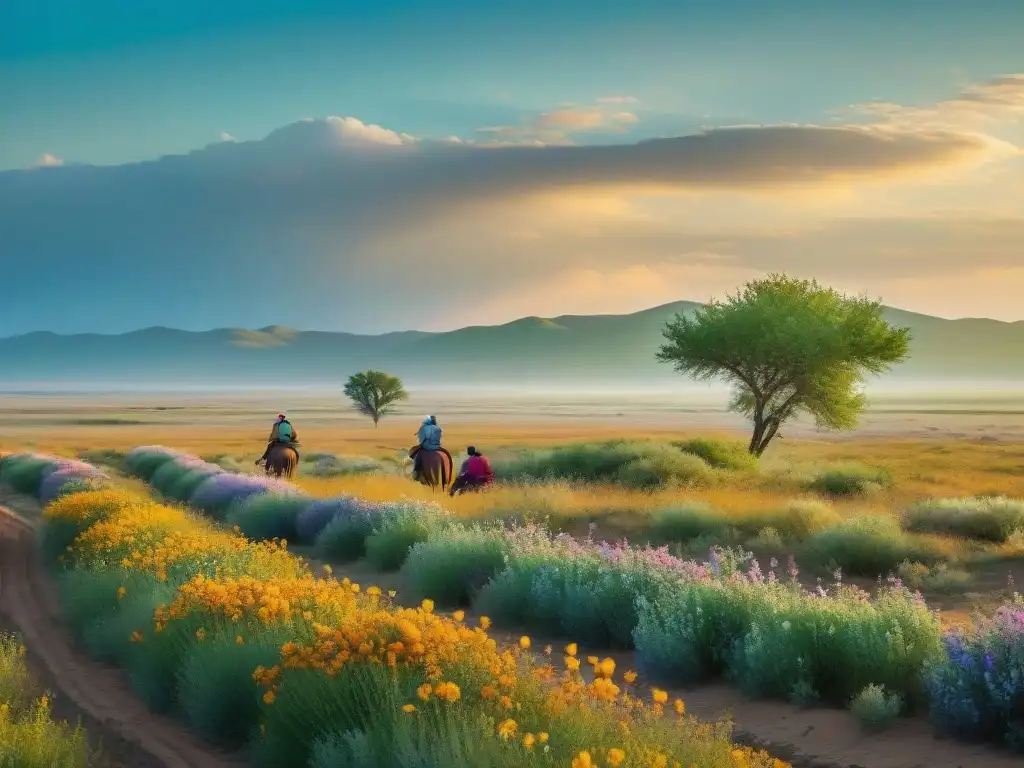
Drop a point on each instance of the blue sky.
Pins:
(114, 82)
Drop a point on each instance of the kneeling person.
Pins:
(476, 472)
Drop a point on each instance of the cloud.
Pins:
(339, 223)
(225, 136)
(618, 100)
(557, 126)
(1000, 99)
(48, 161)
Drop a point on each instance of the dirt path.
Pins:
(128, 733)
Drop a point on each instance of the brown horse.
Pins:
(436, 468)
(282, 459)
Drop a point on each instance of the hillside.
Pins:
(600, 349)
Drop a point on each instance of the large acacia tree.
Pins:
(375, 393)
(787, 346)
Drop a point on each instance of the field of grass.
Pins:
(29, 736)
(942, 514)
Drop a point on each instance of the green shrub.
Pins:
(343, 540)
(636, 464)
(939, 578)
(144, 462)
(25, 473)
(797, 520)
(869, 546)
(451, 569)
(849, 480)
(688, 521)
(104, 457)
(215, 689)
(267, 516)
(986, 518)
(663, 469)
(876, 709)
(721, 454)
(388, 546)
(184, 485)
(17, 687)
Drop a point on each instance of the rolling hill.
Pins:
(593, 350)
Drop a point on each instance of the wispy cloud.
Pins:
(558, 126)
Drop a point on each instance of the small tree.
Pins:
(375, 393)
(787, 346)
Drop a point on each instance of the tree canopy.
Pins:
(787, 346)
(375, 393)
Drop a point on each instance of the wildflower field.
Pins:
(29, 736)
(238, 639)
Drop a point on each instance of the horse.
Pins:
(282, 459)
(436, 468)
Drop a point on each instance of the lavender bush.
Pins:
(314, 518)
(67, 478)
(217, 493)
(977, 690)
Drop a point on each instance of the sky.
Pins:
(368, 166)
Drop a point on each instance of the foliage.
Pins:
(869, 545)
(315, 517)
(344, 538)
(634, 464)
(993, 518)
(453, 568)
(977, 689)
(268, 516)
(849, 480)
(402, 525)
(721, 454)
(786, 346)
(29, 736)
(875, 708)
(375, 393)
(24, 471)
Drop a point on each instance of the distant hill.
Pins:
(594, 350)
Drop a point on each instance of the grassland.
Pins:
(925, 508)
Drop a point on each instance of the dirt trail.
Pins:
(128, 733)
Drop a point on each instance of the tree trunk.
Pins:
(770, 428)
(759, 427)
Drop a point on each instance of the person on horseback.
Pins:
(428, 438)
(475, 473)
(282, 432)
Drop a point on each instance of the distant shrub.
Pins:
(876, 709)
(986, 518)
(24, 472)
(798, 519)
(217, 493)
(849, 480)
(939, 578)
(663, 469)
(721, 454)
(402, 524)
(688, 521)
(106, 457)
(147, 459)
(451, 569)
(329, 465)
(635, 464)
(343, 539)
(268, 515)
(869, 546)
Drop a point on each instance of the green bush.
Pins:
(267, 516)
(215, 687)
(798, 519)
(144, 462)
(721, 454)
(184, 485)
(663, 469)
(849, 480)
(451, 569)
(636, 464)
(869, 546)
(876, 709)
(24, 473)
(688, 521)
(987, 518)
(388, 546)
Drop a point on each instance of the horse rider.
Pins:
(282, 432)
(428, 438)
(475, 472)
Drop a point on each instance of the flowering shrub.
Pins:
(977, 689)
(145, 460)
(197, 616)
